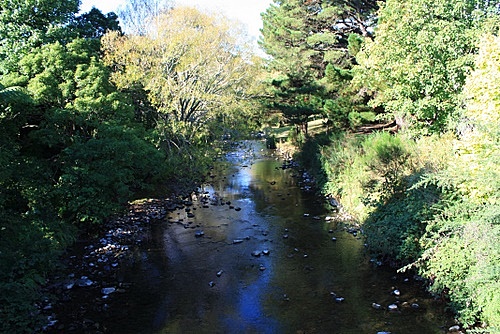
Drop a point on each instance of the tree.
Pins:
(95, 24)
(190, 66)
(418, 62)
(30, 23)
(304, 38)
(137, 16)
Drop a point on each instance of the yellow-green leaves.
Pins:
(189, 63)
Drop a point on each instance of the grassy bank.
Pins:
(426, 205)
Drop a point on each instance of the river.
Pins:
(256, 253)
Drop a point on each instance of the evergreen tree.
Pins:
(304, 38)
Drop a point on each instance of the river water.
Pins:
(259, 256)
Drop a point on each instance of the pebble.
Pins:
(107, 291)
(256, 253)
(392, 307)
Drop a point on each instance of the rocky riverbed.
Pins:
(79, 299)
(252, 249)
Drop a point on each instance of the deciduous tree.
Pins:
(190, 66)
(420, 57)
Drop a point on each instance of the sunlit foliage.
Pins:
(190, 68)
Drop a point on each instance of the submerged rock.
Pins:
(392, 307)
(84, 281)
(107, 291)
(256, 253)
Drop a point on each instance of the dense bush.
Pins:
(423, 207)
(363, 171)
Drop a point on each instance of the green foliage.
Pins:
(312, 53)
(101, 175)
(355, 42)
(429, 203)
(70, 152)
(418, 62)
(191, 92)
(95, 24)
(387, 157)
(462, 253)
(30, 23)
(394, 229)
(365, 171)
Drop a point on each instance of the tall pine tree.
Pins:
(304, 38)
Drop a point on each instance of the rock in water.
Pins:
(107, 291)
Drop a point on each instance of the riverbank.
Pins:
(232, 258)
(80, 297)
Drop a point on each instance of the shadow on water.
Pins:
(254, 254)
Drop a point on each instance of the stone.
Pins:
(84, 281)
(256, 253)
(107, 291)
(392, 307)
(377, 306)
(199, 233)
(454, 329)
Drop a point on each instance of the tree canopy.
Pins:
(310, 41)
(189, 65)
(417, 64)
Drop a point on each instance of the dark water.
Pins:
(213, 283)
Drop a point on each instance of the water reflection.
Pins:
(213, 284)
